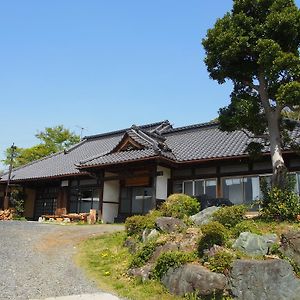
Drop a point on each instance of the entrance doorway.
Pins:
(136, 200)
(46, 202)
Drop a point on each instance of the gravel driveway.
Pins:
(36, 259)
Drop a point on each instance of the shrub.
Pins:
(214, 233)
(180, 205)
(171, 259)
(245, 226)
(221, 261)
(18, 198)
(143, 255)
(229, 216)
(135, 225)
(280, 204)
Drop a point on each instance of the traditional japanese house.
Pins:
(133, 170)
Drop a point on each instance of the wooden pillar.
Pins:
(154, 187)
(219, 183)
(62, 200)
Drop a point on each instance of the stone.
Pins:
(189, 241)
(169, 246)
(169, 224)
(264, 279)
(149, 234)
(193, 277)
(153, 234)
(214, 250)
(132, 245)
(204, 216)
(254, 244)
(290, 245)
(144, 272)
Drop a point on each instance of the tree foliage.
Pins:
(52, 140)
(256, 46)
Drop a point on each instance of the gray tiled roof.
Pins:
(120, 157)
(205, 142)
(61, 164)
(190, 143)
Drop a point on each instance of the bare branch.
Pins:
(253, 136)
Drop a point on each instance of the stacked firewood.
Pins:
(7, 214)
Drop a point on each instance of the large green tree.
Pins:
(52, 140)
(256, 47)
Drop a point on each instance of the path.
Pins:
(36, 260)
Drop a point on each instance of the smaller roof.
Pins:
(136, 144)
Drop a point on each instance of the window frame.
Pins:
(199, 180)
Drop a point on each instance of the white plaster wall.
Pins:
(162, 183)
(110, 212)
(111, 191)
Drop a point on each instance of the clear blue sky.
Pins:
(104, 65)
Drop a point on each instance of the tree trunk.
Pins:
(273, 115)
(278, 165)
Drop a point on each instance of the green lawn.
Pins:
(105, 260)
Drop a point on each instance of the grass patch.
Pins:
(105, 260)
(266, 227)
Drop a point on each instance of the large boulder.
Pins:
(193, 277)
(264, 279)
(170, 224)
(290, 245)
(254, 244)
(204, 216)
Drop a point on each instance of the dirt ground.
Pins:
(37, 259)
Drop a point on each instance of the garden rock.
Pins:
(143, 272)
(169, 246)
(169, 224)
(290, 245)
(149, 234)
(214, 250)
(264, 279)
(192, 277)
(131, 244)
(189, 241)
(254, 244)
(204, 216)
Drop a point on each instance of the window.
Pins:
(241, 189)
(82, 199)
(196, 187)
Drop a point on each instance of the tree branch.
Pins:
(253, 86)
(264, 97)
(253, 136)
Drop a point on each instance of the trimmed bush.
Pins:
(221, 261)
(179, 206)
(229, 216)
(245, 226)
(280, 205)
(214, 233)
(171, 259)
(135, 225)
(143, 255)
